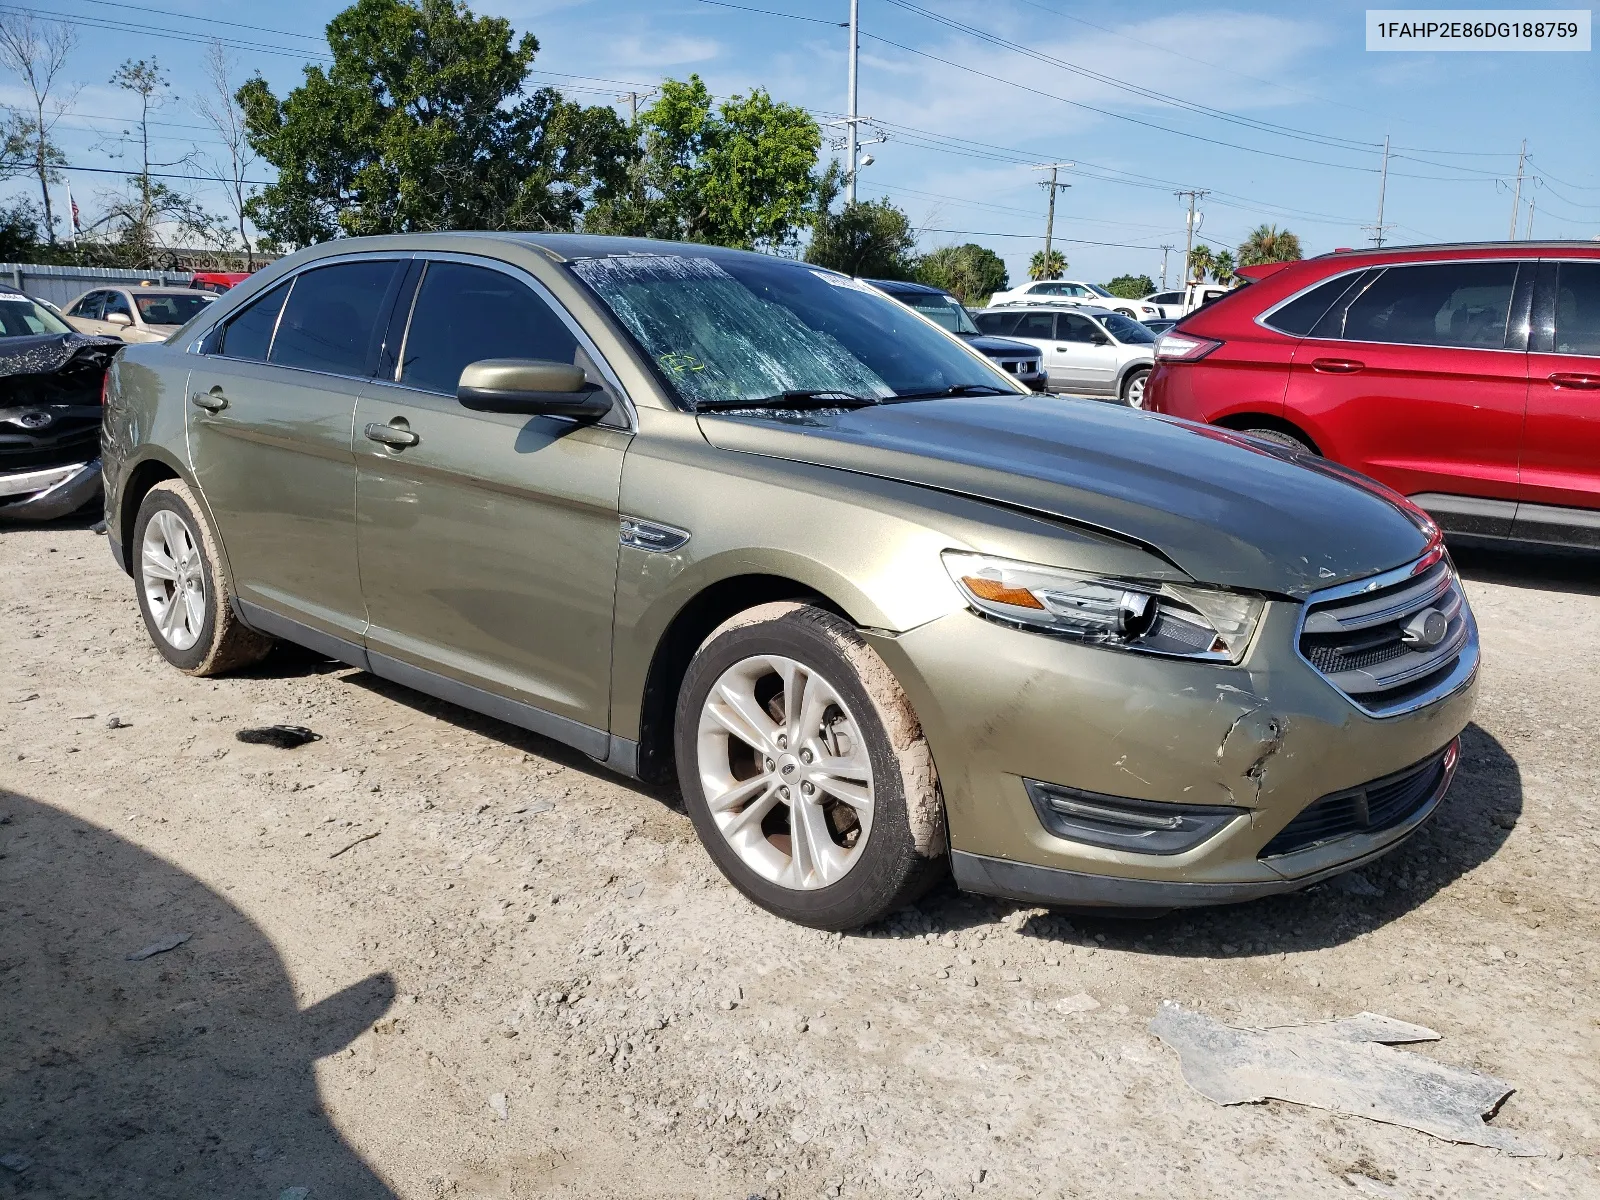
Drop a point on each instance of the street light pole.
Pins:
(851, 116)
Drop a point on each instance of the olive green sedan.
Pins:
(731, 519)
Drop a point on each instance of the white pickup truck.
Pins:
(1175, 305)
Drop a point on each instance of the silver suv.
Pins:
(1086, 350)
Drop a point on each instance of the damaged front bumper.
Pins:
(1261, 743)
(43, 494)
(50, 418)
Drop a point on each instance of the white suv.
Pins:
(1088, 351)
(1071, 291)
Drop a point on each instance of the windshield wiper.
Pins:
(813, 398)
(960, 389)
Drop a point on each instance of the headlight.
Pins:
(1154, 618)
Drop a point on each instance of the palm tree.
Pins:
(1201, 259)
(1053, 268)
(1269, 244)
(1222, 266)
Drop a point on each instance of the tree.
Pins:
(19, 231)
(1131, 287)
(970, 272)
(147, 81)
(36, 52)
(1054, 268)
(1222, 266)
(743, 174)
(424, 122)
(870, 239)
(220, 110)
(1269, 244)
(1201, 259)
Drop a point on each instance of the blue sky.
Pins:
(1278, 109)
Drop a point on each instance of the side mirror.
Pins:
(532, 386)
(119, 318)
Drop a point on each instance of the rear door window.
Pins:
(1578, 308)
(331, 316)
(248, 335)
(1037, 325)
(1438, 304)
(116, 302)
(464, 314)
(90, 307)
(1073, 328)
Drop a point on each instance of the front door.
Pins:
(489, 544)
(1561, 446)
(270, 413)
(1087, 359)
(1416, 379)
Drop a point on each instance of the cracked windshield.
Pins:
(735, 328)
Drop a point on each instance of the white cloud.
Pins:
(646, 52)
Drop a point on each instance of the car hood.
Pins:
(1224, 509)
(985, 344)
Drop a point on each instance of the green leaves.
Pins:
(1131, 287)
(871, 239)
(1268, 244)
(970, 272)
(423, 122)
(740, 174)
(1039, 267)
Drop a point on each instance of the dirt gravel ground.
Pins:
(528, 981)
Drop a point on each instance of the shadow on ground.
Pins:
(185, 1074)
(1575, 571)
(1473, 821)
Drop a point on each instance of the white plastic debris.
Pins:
(1344, 1066)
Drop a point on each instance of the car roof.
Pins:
(1086, 310)
(906, 285)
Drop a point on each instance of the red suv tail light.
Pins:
(1183, 347)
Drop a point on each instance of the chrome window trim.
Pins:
(1466, 666)
(630, 414)
(1261, 317)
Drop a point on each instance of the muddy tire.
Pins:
(182, 592)
(805, 771)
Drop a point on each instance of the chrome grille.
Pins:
(1372, 639)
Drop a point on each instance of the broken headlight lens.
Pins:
(1182, 621)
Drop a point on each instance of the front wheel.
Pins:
(1133, 387)
(805, 771)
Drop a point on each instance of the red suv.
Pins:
(1466, 377)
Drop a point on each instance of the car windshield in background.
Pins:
(21, 317)
(171, 310)
(730, 327)
(941, 310)
(1126, 329)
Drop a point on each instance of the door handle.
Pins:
(392, 436)
(1337, 366)
(1574, 380)
(212, 401)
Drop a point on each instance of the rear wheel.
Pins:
(1282, 438)
(805, 771)
(182, 592)
(1133, 387)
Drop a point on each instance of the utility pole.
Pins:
(1383, 187)
(1532, 202)
(1516, 198)
(850, 104)
(1050, 212)
(633, 99)
(1165, 250)
(1188, 243)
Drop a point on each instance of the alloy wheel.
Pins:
(1136, 390)
(785, 772)
(173, 577)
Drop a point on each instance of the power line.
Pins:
(767, 12)
(156, 31)
(167, 12)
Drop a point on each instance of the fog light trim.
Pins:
(1122, 823)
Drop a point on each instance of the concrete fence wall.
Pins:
(62, 285)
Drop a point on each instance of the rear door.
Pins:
(270, 410)
(1561, 446)
(86, 316)
(489, 543)
(1418, 377)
